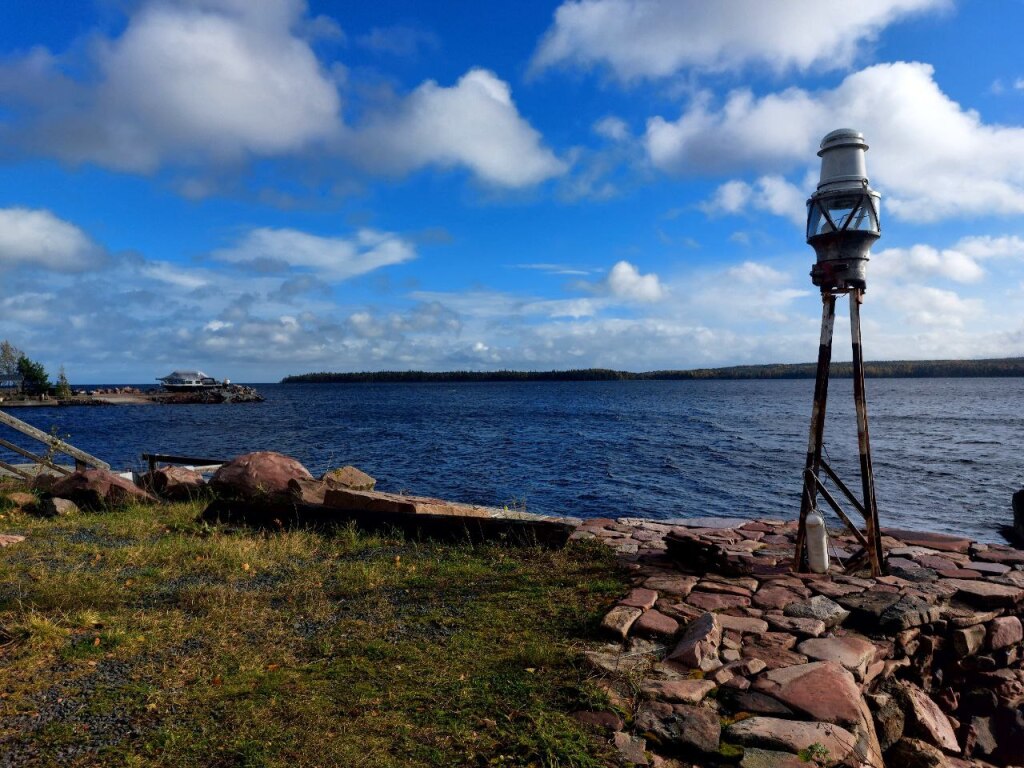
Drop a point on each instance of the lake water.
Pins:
(946, 451)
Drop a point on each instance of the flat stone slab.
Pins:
(655, 624)
(683, 691)
(985, 594)
(939, 541)
(6, 539)
(822, 689)
(852, 652)
(791, 735)
(719, 523)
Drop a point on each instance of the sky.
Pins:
(267, 188)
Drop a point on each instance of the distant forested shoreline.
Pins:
(894, 369)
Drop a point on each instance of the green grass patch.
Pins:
(138, 637)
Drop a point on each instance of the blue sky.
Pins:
(267, 188)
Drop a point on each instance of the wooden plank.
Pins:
(15, 470)
(37, 459)
(58, 444)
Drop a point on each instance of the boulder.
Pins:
(174, 483)
(699, 645)
(968, 641)
(349, 477)
(54, 507)
(259, 476)
(698, 729)
(99, 489)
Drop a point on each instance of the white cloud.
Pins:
(37, 238)
(204, 78)
(769, 193)
(959, 263)
(333, 258)
(474, 124)
(625, 282)
(612, 128)
(930, 157)
(214, 83)
(657, 38)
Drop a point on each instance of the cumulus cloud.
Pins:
(214, 83)
(209, 78)
(657, 38)
(332, 258)
(769, 193)
(960, 262)
(624, 281)
(473, 123)
(37, 238)
(612, 128)
(930, 157)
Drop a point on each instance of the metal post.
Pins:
(863, 440)
(817, 430)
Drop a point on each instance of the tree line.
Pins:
(890, 369)
(17, 369)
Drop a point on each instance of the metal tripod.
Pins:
(870, 539)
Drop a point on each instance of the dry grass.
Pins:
(138, 637)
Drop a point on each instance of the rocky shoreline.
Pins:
(232, 393)
(722, 655)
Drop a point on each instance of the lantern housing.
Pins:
(842, 214)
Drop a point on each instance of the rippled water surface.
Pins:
(946, 451)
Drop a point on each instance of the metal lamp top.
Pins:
(842, 160)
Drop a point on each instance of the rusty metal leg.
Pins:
(863, 440)
(817, 431)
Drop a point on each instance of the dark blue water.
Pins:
(946, 451)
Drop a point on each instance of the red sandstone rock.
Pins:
(791, 735)
(774, 597)
(713, 602)
(619, 619)
(925, 720)
(822, 689)
(930, 540)
(1004, 632)
(986, 594)
(655, 624)
(699, 645)
(853, 652)
(98, 488)
(671, 584)
(968, 640)
(258, 476)
(640, 598)
(687, 691)
(175, 483)
(743, 624)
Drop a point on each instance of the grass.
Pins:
(139, 637)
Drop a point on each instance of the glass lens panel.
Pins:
(841, 209)
(817, 222)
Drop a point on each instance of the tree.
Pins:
(9, 356)
(34, 375)
(63, 387)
